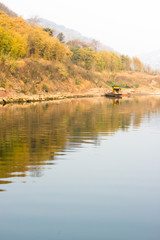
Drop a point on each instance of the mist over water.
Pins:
(80, 169)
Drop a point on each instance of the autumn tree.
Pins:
(137, 64)
(12, 43)
(115, 64)
(75, 55)
(125, 63)
(99, 62)
(86, 58)
(106, 56)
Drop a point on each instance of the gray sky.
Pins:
(130, 27)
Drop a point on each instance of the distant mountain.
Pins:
(7, 11)
(152, 59)
(70, 34)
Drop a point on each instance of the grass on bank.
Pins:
(39, 76)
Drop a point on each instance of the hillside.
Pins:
(70, 34)
(36, 80)
(7, 11)
(35, 65)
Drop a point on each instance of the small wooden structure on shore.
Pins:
(116, 92)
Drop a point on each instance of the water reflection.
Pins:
(33, 135)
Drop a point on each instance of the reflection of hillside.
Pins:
(32, 134)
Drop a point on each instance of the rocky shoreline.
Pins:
(40, 98)
(95, 92)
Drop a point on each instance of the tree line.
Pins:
(85, 56)
(19, 39)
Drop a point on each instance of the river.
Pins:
(82, 169)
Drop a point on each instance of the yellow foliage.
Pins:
(137, 64)
(62, 70)
(106, 56)
(99, 62)
(115, 62)
(12, 43)
(20, 39)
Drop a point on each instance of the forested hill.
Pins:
(69, 34)
(19, 40)
(34, 61)
(7, 11)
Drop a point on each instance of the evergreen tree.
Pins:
(61, 37)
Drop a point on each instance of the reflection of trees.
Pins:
(32, 134)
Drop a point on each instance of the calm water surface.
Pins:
(82, 169)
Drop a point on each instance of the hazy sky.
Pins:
(130, 27)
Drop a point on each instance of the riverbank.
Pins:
(94, 92)
(31, 80)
